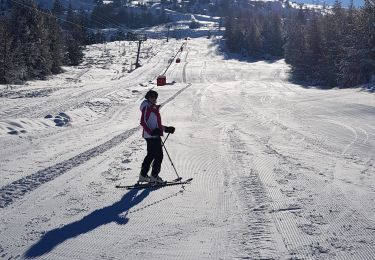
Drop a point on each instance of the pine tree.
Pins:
(272, 34)
(70, 18)
(74, 51)
(57, 8)
(30, 39)
(76, 36)
(252, 35)
(55, 43)
(162, 16)
(117, 3)
(367, 39)
(99, 37)
(333, 38)
(314, 53)
(6, 54)
(232, 34)
(118, 36)
(295, 48)
(224, 8)
(80, 32)
(349, 67)
(122, 16)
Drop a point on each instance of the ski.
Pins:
(177, 181)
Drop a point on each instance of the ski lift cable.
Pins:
(118, 25)
(108, 19)
(51, 15)
(97, 21)
(64, 20)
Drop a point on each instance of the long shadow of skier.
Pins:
(97, 218)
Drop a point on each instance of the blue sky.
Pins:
(357, 3)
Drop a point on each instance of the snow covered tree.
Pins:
(30, 37)
(30, 44)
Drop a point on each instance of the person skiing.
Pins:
(152, 132)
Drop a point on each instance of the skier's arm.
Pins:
(144, 120)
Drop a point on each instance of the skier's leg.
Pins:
(158, 157)
(149, 157)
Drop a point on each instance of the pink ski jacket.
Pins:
(150, 119)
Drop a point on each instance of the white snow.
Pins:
(280, 171)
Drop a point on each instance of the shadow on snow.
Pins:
(95, 219)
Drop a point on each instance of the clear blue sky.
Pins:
(357, 3)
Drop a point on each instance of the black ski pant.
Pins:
(154, 156)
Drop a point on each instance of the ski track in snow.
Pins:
(19, 188)
(280, 171)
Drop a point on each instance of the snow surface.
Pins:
(280, 171)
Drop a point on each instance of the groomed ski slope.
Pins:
(280, 171)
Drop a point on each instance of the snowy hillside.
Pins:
(280, 171)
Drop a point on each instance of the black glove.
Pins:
(156, 132)
(169, 129)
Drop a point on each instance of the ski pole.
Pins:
(165, 139)
(165, 148)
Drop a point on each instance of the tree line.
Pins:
(254, 32)
(334, 49)
(331, 47)
(28, 46)
(36, 42)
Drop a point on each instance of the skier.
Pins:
(152, 132)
